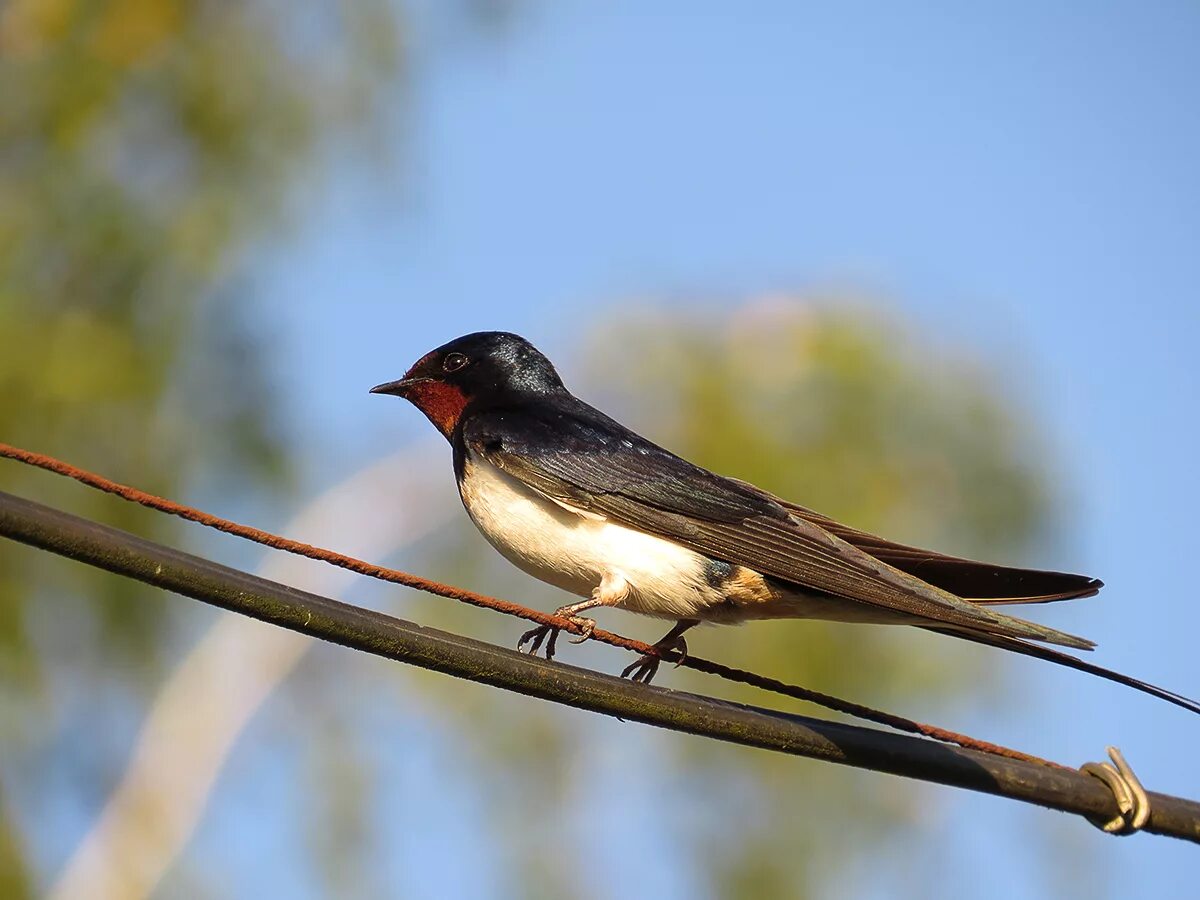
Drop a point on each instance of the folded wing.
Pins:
(981, 582)
(576, 454)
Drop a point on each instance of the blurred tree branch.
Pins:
(361, 629)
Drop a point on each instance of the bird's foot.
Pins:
(548, 634)
(645, 667)
(586, 626)
(539, 636)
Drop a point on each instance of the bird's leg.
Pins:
(645, 666)
(612, 590)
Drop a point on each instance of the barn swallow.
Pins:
(576, 499)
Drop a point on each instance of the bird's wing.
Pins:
(981, 582)
(575, 454)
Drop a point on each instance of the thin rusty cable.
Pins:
(507, 607)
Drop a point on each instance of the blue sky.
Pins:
(1021, 180)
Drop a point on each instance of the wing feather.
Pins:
(981, 582)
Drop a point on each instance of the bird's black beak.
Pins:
(397, 388)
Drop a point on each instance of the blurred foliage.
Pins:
(836, 406)
(839, 405)
(14, 879)
(148, 142)
(144, 144)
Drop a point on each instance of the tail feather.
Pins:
(1037, 651)
(987, 584)
(1013, 628)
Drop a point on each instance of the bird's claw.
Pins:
(587, 626)
(548, 634)
(642, 669)
(538, 636)
(645, 667)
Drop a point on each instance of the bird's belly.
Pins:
(574, 550)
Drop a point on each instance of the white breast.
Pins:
(573, 549)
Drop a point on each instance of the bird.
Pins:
(576, 499)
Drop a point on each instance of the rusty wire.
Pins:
(507, 607)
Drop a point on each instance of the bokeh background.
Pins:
(928, 269)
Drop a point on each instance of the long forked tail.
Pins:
(1017, 645)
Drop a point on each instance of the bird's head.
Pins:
(487, 366)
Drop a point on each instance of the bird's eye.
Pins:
(453, 362)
